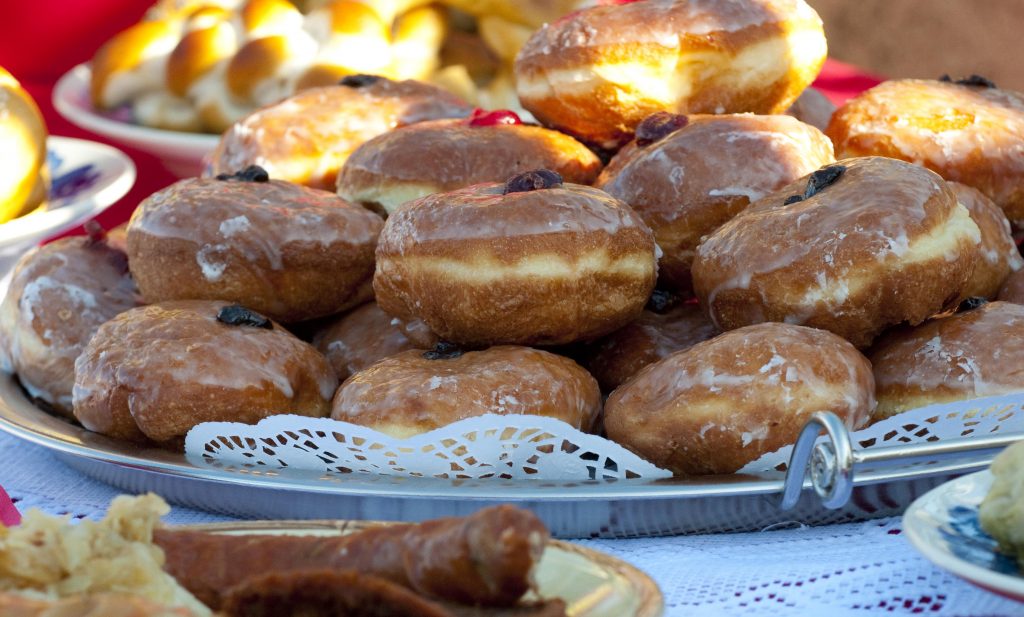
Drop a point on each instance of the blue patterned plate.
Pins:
(943, 525)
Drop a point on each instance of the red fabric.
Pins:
(9, 515)
(40, 40)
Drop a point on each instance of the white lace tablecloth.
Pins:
(836, 571)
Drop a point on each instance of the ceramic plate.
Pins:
(591, 583)
(181, 152)
(943, 525)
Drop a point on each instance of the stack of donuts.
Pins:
(665, 258)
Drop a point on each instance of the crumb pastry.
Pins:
(999, 256)
(725, 402)
(853, 248)
(417, 391)
(1001, 513)
(661, 330)
(290, 252)
(530, 262)
(968, 131)
(154, 372)
(597, 73)
(688, 175)
(971, 354)
(435, 157)
(305, 139)
(360, 338)
(59, 295)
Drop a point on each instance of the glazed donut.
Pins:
(417, 391)
(307, 138)
(531, 262)
(58, 297)
(999, 256)
(444, 155)
(725, 402)
(972, 354)
(660, 331)
(287, 251)
(597, 73)
(1013, 288)
(688, 175)
(853, 248)
(812, 107)
(23, 177)
(154, 372)
(360, 338)
(967, 131)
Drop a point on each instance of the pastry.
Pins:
(968, 131)
(597, 73)
(284, 250)
(59, 295)
(360, 338)
(154, 372)
(1013, 288)
(999, 256)
(23, 178)
(812, 107)
(435, 157)
(417, 391)
(725, 402)
(688, 175)
(1001, 513)
(853, 248)
(518, 263)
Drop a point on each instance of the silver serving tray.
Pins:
(619, 508)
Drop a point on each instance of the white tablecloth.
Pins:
(854, 569)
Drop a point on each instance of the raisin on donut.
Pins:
(597, 73)
(290, 252)
(999, 256)
(852, 248)
(306, 138)
(529, 262)
(968, 131)
(445, 155)
(972, 354)
(360, 338)
(154, 372)
(659, 332)
(688, 175)
(722, 403)
(59, 295)
(417, 391)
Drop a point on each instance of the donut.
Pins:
(444, 155)
(688, 175)
(1013, 288)
(360, 338)
(284, 250)
(968, 131)
(852, 248)
(972, 354)
(812, 107)
(659, 332)
(23, 177)
(597, 73)
(998, 252)
(416, 391)
(721, 404)
(59, 295)
(529, 262)
(306, 138)
(152, 373)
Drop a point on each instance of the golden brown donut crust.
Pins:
(725, 402)
(154, 372)
(972, 354)
(445, 155)
(59, 295)
(306, 138)
(653, 336)
(597, 73)
(885, 244)
(972, 135)
(1013, 288)
(287, 251)
(694, 180)
(998, 252)
(549, 266)
(360, 338)
(408, 394)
